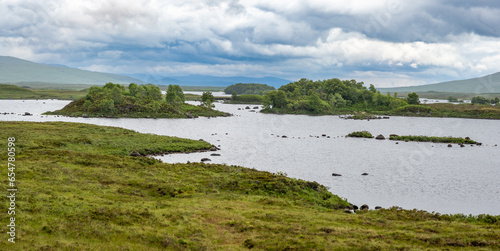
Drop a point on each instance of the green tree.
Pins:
(413, 99)
(372, 88)
(132, 88)
(314, 103)
(174, 91)
(234, 96)
(479, 100)
(207, 99)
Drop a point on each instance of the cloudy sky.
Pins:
(384, 42)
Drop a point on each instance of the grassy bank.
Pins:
(16, 92)
(79, 188)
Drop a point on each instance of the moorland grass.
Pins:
(16, 92)
(78, 189)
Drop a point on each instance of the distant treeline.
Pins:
(258, 89)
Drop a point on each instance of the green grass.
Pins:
(360, 134)
(433, 139)
(16, 92)
(79, 190)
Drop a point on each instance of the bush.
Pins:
(360, 134)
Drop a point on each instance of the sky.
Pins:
(387, 43)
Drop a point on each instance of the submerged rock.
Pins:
(336, 174)
(215, 154)
(364, 174)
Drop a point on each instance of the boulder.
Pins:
(467, 138)
(378, 207)
(215, 154)
(323, 135)
(284, 136)
(256, 107)
(27, 114)
(449, 145)
(364, 207)
(248, 107)
(205, 159)
(336, 174)
(479, 144)
(364, 174)
(380, 136)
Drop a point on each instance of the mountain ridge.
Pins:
(479, 85)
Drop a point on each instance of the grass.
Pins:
(16, 92)
(360, 134)
(433, 139)
(80, 190)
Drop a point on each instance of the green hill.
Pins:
(480, 85)
(16, 92)
(18, 71)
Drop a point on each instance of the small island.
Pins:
(138, 101)
(407, 138)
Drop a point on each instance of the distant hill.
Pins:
(17, 71)
(205, 80)
(486, 84)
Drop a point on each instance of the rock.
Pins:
(364, 207)
(327, 137)
(479, 144)
(467, 138)
(378, 207)
(252, 111)
(323, 135)
(364, 174)
(449, 145)
(205, 159)
(347, 211)
(386, 117)
(354, 207)
(248, 107)
(462, 145)
(380, 136)
(135, 154)
(336, 174)
(284, 136)
(256, 107)
(215, 154)
(397, 143)
(201, 140)
(239, 109)
(27, 114)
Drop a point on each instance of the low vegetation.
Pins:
(246, 99)
(433, 139)
(81, 190)
(17, 92)
(360, 134)
(137, 101)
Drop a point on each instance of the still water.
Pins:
(426, 176)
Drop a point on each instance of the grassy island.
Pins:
(79, 188)
(360, 134)
(456, 140)
(137, 101)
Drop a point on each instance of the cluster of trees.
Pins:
(325, 96)
(137, 98)
(484, 101)
(257, 89)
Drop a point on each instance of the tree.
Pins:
(479, 100)
(413, 99)
(314, 103)
(452, 99)
(207, 99)
(234, 96)
(372, 88)
(174, 91)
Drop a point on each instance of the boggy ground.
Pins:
(79, 188)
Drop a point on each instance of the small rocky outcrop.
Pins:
(248, 107)
(380, 136)
(284, 136)
(215, 154)
(449, 145)
(378, 207)
(364, 174)
(336, 174)
(205, 159)
(364, 207)
(27, 114)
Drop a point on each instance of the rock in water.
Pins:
(205, 159)
(364, 207)
(380, 136)
(364, 174)
(336, 174)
